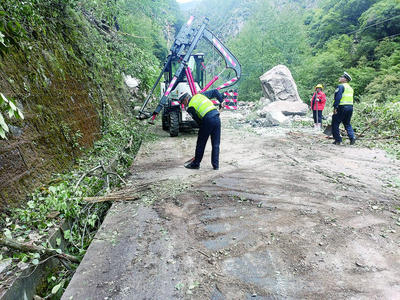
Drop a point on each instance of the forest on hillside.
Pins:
(318, 40)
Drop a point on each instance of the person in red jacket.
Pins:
(318, 101)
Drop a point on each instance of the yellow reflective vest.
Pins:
(201, 104)
(347, 96)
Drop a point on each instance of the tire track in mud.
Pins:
(278, 237)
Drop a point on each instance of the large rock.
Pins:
(278, 85)
(281, 100)
(131, 82)
(269, 119)
(288, 108)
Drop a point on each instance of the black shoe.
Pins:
(336, 143)
(192, 166)
(215, 168)
(352, 141)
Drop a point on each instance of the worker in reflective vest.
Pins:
(206, 116)
(343, 109)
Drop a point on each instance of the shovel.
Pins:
(328, 130)
(189, 161)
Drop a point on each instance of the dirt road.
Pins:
(287, 216)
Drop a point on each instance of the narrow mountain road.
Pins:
(287, 216)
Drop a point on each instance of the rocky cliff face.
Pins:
(226, 17)
(63, 98)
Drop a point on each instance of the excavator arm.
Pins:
(230, 60)
(184, 44)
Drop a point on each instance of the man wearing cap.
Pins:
(318, 101)
(206, 116)
(343, 109)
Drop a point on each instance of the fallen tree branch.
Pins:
(125, 194)
(372, 123)
(107, 177)
(382, 137)
(41, 262)
(116, 174)
(32, 248)
(110, 169)
(129, 145)
(86, 174)
(110, 198)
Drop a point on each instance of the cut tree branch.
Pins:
(125, 194)
(372, 123)
(86, 174)
(33, 248)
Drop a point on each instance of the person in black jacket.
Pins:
(206, 115)
(343, 109)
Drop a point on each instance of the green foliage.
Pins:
(133, 27)
(8, 106)
(363, 74)
(391, 64)
(62, 201)
(384, 88)
(325, 67)
(381, 19)
(140, 24)
(65, 198)
(370, 52)
(380, 124)
(19, 20)
(266, 42)
(386, 47)
(335, 18)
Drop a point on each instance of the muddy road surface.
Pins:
(287, 216)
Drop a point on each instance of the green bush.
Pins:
(384, 88)
(379, 124)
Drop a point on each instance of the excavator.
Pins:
(184, 72)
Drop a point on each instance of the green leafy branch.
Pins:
(9, 107)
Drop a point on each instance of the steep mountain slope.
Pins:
(63, 64)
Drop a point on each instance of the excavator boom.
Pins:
(183, 47)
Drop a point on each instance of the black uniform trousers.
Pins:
(343, 115)
(210, 126)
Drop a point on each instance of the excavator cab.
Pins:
(196, 63)
(174, 116)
